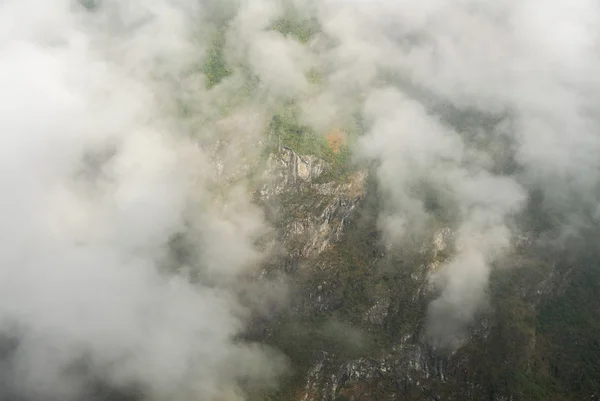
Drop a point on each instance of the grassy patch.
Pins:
(305, 141)
(215, 67)
(302, 30)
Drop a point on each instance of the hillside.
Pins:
(356, 327)
(299, 200)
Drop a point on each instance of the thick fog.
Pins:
(99, 175)
(478, 104)
(113, 146)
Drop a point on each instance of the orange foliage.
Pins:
(336, 139)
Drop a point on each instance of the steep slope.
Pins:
(356, 327)
(239, 200)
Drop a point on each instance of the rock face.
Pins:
(406, 370)
(312, 214)
(356, 326)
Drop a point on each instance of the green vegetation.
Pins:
(551, 352)
(569, 327)
(215, 67)
(304, 141)
(302, 30)
(537, 346)
(306, 332)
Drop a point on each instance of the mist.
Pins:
(477, 104)
(99, 175)
(114, 146)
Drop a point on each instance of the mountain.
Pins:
(356, 326)
(299, 200)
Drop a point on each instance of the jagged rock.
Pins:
(286, 168)
(314, 214)
(378, 312)
(312, 217)
(406, 367)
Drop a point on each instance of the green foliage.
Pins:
(570, 328)
(215, 67)
(314, 76)
(302, 30)
(548, 353)
(532, 351)
(305, 141)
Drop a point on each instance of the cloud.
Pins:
(98, 177)
(468, 108)
(475, 104)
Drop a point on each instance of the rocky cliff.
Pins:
(355, 328)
